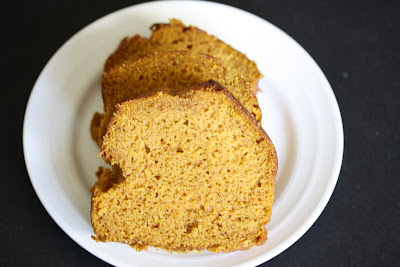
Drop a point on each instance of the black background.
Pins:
(356, 44)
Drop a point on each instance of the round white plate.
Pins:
(300, 114)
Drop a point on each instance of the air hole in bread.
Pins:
(260, 140)
(177, 41)
(191, 226)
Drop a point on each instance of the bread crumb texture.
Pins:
(191, 172)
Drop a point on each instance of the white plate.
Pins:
(300, 114)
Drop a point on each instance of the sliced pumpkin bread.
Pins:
(175, 36)
(197, 173)
(175, 70)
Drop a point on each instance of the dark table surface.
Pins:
(356, 44)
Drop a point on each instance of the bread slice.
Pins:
(175, 70)
(175, 36)
(95, 125)
(199, 174)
